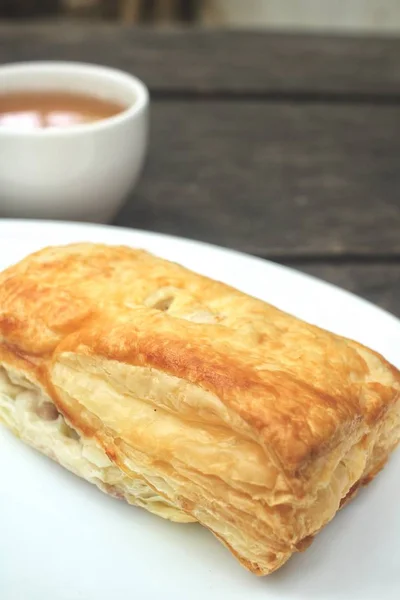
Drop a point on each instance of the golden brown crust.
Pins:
(298, 416)
(265, 400)
(264, 364)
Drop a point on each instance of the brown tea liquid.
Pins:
(38, 110)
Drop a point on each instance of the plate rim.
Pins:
(289, 271)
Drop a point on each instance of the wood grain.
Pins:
(273, 179)
(26, 9)
(206, 62)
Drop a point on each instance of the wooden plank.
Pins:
(218, 62)
(129, 10)
(273, 179)
(27, 9)
(379, 283)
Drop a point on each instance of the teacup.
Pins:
(81, 172)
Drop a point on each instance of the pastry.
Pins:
(189, 398)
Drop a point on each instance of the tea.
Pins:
(38, 110)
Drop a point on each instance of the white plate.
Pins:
(62, 539)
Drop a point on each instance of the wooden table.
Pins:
(283, 146)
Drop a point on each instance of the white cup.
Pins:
(82, 172)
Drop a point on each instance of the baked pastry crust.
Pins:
(196, 401)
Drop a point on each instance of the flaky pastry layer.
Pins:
(200, 402)
(32, 416)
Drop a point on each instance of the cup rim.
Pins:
(131, 111)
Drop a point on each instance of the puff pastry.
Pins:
(189, 398)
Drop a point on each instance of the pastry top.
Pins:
(297, 390)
